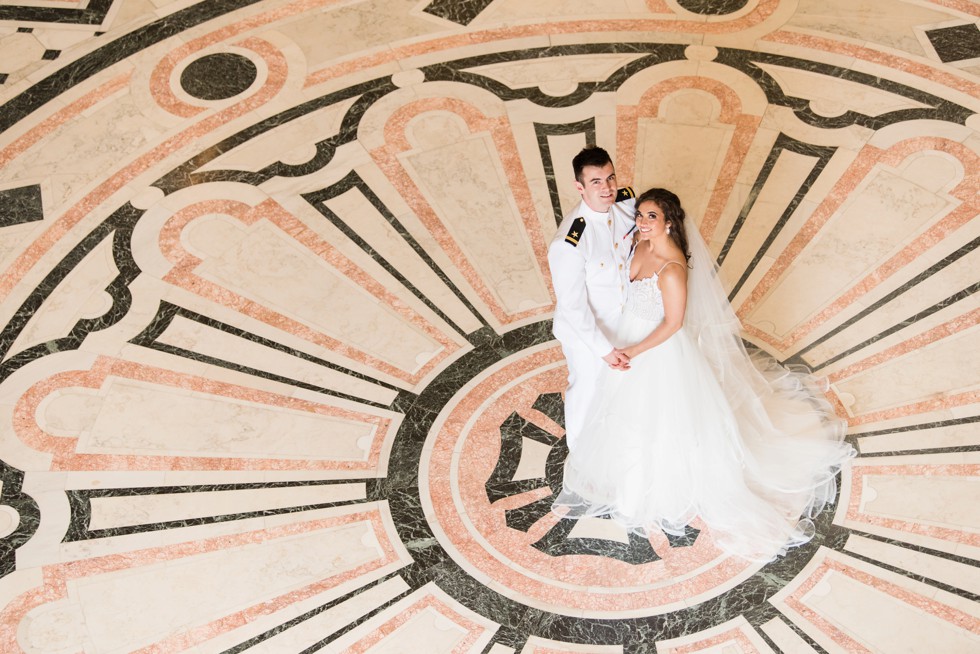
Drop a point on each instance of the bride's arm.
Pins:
(673, 287)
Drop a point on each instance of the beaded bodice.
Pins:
(644, 299)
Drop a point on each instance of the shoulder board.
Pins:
(575, 233)
(625, 193)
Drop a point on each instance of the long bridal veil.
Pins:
(699, 428)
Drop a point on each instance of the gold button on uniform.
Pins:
(615, 246)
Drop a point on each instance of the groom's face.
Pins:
(598, 187)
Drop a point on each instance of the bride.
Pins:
(697, 427)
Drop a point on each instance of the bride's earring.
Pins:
(668, 230)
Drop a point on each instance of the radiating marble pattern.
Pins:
(277, 372)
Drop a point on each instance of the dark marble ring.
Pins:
(218, 76)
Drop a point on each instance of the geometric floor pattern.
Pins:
(276, 363)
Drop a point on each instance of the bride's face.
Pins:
(650, 222)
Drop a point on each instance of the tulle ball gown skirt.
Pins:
(667, 442)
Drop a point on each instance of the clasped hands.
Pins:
(617, 359)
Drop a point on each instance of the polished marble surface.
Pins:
(277, 372)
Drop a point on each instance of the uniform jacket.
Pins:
(588, 260)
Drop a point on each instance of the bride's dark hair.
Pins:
(673, 212)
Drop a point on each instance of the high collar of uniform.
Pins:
(589, 212)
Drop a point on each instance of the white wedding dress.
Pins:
(749, 447)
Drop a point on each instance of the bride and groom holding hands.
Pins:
(668, 419)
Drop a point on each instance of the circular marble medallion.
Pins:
(490, 468)
(218, 76)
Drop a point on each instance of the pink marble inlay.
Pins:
(763, 10)
(475, 630)
(926, 604)
(869, 157)
(116, 180)
(889, 60)
(65, 456)
(183, 275)
(466, 449)
(388, 157)
(54, 586)
(718, 641)
(937, 333)
(948, 534)
(746, 127)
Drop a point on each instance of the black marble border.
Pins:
(166, 313)
(93, 13)
(543, 132)
(92, 63)
(80, 503)
(462, 12)
(962, 294)
(519, 621)
(28, 512)
(400, 488)
(783, 143)
(353, 181)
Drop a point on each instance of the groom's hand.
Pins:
(617, 360)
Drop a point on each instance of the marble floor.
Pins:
(277, 372)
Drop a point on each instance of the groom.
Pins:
(590, 274)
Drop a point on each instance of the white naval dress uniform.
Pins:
(588, 261)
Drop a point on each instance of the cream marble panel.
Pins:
(53, 551)
(953, 573)
(127, 416)
(946, 367)
(787, 640)
(534, 459)
(206, 340)
(538, 645)
(262, 263)
(882, 622)
(755, 157)
(80, 295)
(465, 184)
(929, 500)
(148, 292)
(15, 238)
(357, 212)
(563, 149)
(961, 435)
(428, 615)
(735, 636)
(529, 154)
(19, 50)
(953, 278)
(309, 632)
(504, 11)
(291, 143)
(123, 511)
(882, 214)
(79, 152)
(683, 149)
(439, 633)
(599, 528)
(365, 26)
(831, 96)
(782, 184)
(131, 608)
(556, 76)
(868, 20)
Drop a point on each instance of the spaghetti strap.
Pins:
(665, 265)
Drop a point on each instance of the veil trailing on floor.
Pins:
(699, 428)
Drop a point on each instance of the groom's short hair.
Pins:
(592, 155)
